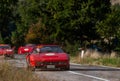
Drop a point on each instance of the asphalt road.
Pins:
(77, 72)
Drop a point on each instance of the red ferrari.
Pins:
(26, 49)
(48, 57)
(6, 50)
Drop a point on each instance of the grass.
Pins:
(95, 58)
(10, 73)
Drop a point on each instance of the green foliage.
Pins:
(71, 48)
(28, 11)
(1, 39)
(18, 36)
(111, 61)
(107, 61)
(35, 34)
(29, 17)
(64, 20)
(61, 20)
(109, 28)
(112, 22)
(85, 17)
(14, 39)
(6, 16)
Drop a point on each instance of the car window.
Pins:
(30, 45)
(51, 49)
(5, 47)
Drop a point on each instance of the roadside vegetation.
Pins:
(96, 58)
(10, 73)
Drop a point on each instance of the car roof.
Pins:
(41, 45)
(30, 45)
(47, 45)
(4, 45)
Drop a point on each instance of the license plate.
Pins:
(50, 66)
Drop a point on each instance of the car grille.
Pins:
(51, 63)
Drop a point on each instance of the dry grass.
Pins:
(115, 2)
(92, 54)
(96, 58)
(10, 73)
(96, 55)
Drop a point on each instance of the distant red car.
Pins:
(48, 57)
(6, 50)
(26, 49)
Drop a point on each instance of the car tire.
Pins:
(29, 68)
(5, 56)
(67, 68)
(12, 56)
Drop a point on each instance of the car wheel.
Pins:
(5, 56)
(30, 68)
(67, 68)
(12, 56)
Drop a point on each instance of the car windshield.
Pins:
(30, 45)
(4, 47)
(51, 49)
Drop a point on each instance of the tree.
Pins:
(109, 28)
(74, 19)
(35, 34)
(86, 15)
(111, 22)
(1, 39)
(6, 16)
(64, 19)
(15, 38)
(28, 15)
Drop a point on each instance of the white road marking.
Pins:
(88, 76)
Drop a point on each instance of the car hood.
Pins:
(50, 57)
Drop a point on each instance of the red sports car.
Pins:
(26, 49)
(48, 57)
(6, 50)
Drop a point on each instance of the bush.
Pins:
(72, 48)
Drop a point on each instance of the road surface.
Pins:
(77, 72)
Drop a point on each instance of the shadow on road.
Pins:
(74, 69)
(51, 70)
(99, 69)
